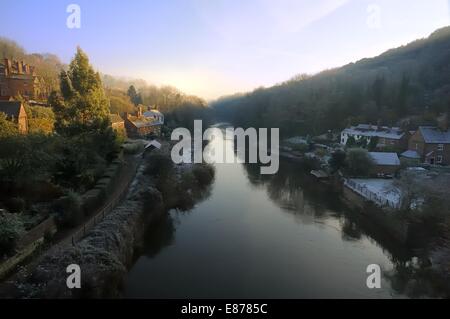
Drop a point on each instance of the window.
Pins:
(417, 146)
(440, 147)
(439, 159)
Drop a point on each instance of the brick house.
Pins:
(141, 126)
(384, 163)
(117, 123)
(19, 78)
(430, 145)
(388, 137)
(15, 112)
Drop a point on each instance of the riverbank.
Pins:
(106, 252)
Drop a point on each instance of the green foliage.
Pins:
(69, 210)
(373, 143)
(73, 162)
(204, 174)
(338, 160)
(83, 105)
(134, 96)
(358, 162)
(119, 102)
(40, 119)
(351, 142)
(133, 148)
(26, 157)
(7, 128)
(158, 165)
(11, 228)
(16, 205)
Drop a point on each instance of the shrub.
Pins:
(159, 165)
(91, 201)
(204, 174)
(358, 162)
(133, 148)
(11, 228)
(69, 209)
(16, 205)
(337, 160)
(48, 236)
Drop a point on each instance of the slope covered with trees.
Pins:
(407, 86)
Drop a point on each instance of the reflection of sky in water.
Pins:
(263, 239)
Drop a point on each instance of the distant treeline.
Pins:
(406, 86)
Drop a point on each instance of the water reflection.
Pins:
(297, 193)
(274, 236)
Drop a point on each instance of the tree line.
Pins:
(407, 86)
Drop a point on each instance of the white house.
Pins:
(154, 114)
(387, 136)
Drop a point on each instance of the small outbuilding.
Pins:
(385, 163)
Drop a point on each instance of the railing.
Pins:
(369, 195)
(100, 216)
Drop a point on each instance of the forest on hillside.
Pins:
(407, 86)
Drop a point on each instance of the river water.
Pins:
(280, 236)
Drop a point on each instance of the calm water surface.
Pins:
(281, 236)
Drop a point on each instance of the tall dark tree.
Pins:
(83, 104)
(135, 97)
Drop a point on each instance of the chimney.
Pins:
(139, 112)
(27, 68)
(8, 66)
(19, 67)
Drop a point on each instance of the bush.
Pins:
(204, 174)
(358, 162)
(91, 201)
(11, 228)
(69, 209)
(133, 148)
(159, 165)
(16, 205)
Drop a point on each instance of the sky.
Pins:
(212, 48)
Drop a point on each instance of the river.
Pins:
(281, 236)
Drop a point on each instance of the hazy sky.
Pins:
(216, 47)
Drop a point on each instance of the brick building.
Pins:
(430, 145)
(142, 125)
(18, 78)
(384, 163)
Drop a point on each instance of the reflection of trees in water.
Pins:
(160, 233)
(416, 279)
(293, 190)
